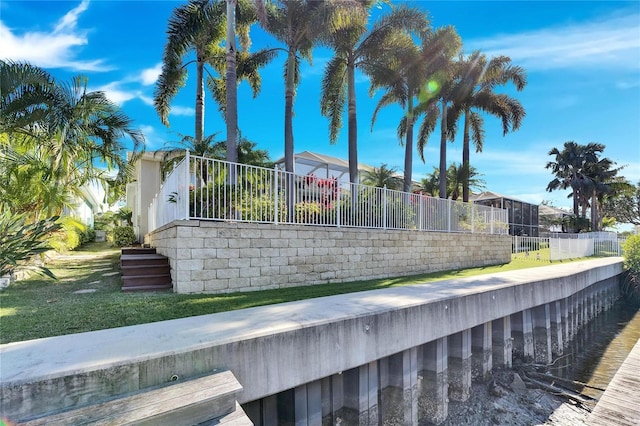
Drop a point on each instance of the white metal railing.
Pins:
(567, 246)
(208, 189)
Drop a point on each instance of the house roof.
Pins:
(490, 195)
(318, 161)
(552, 211)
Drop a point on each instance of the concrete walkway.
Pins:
(619, 405)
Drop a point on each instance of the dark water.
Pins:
(598, 350)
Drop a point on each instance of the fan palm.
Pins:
(354, 47)
(474, 90)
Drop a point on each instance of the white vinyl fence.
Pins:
(208, 189)
(567, 246)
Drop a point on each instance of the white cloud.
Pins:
(181, 110)
(150, 75)
(609, 43)
(54, 49)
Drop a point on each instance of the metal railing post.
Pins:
(384, 207)
(338, 206)
(448, 215)
(473, 227)
(187, 160)
(275, 195)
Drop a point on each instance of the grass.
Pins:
(40, 307)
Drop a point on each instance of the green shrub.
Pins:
(69, 237)
(123, 236)
(631, 253)
(19, 241)
(87, 236)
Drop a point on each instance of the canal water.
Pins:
(598, 350)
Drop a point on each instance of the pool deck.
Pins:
(620, 404)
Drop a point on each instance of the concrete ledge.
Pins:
(273, 348)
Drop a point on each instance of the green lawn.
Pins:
(41, 307)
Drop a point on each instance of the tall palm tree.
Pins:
(477, 79)
(411, 77)
(241, 28)
(570, 169)
(354, 47)
(442, 46)
(298, 24)
(196, 26)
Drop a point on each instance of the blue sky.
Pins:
(582, 60)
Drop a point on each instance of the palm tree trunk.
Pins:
(594, 212)
(288, 134)
(232, 93)
(353, 125)
(199, 131)
(408, 154)
(443, 151)
(288, 113)
(465, 160)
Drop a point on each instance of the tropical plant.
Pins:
(20, 241)
(383, 177)
(580, 168)
(196, 26)
(623, 203)
(474, 90)
(631, 253)
(52, 145)
(456, 176)
(298, 24)
(354, 47)
(413, 78)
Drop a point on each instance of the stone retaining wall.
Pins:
(222, 257)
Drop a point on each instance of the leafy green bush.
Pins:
(20, 241)
(123, 236)
(69, 236)
(87, 236)
(631, 252)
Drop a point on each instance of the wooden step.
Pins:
(143, 280)
(135, 270)
(177, 403)
(142, 259)
(138, 250)
(135, 288)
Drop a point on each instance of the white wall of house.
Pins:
(140, 193)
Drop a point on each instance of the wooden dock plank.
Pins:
(618, 405)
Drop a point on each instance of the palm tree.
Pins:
(354, 47)
(240, 26)
(442, 47)
(53, 152)
(196, 26)
(476, 81)
(298, 24)
(570, 169)
(409, 76)
(383, 177)
(456, 176)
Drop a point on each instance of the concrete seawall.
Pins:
(284, 347)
